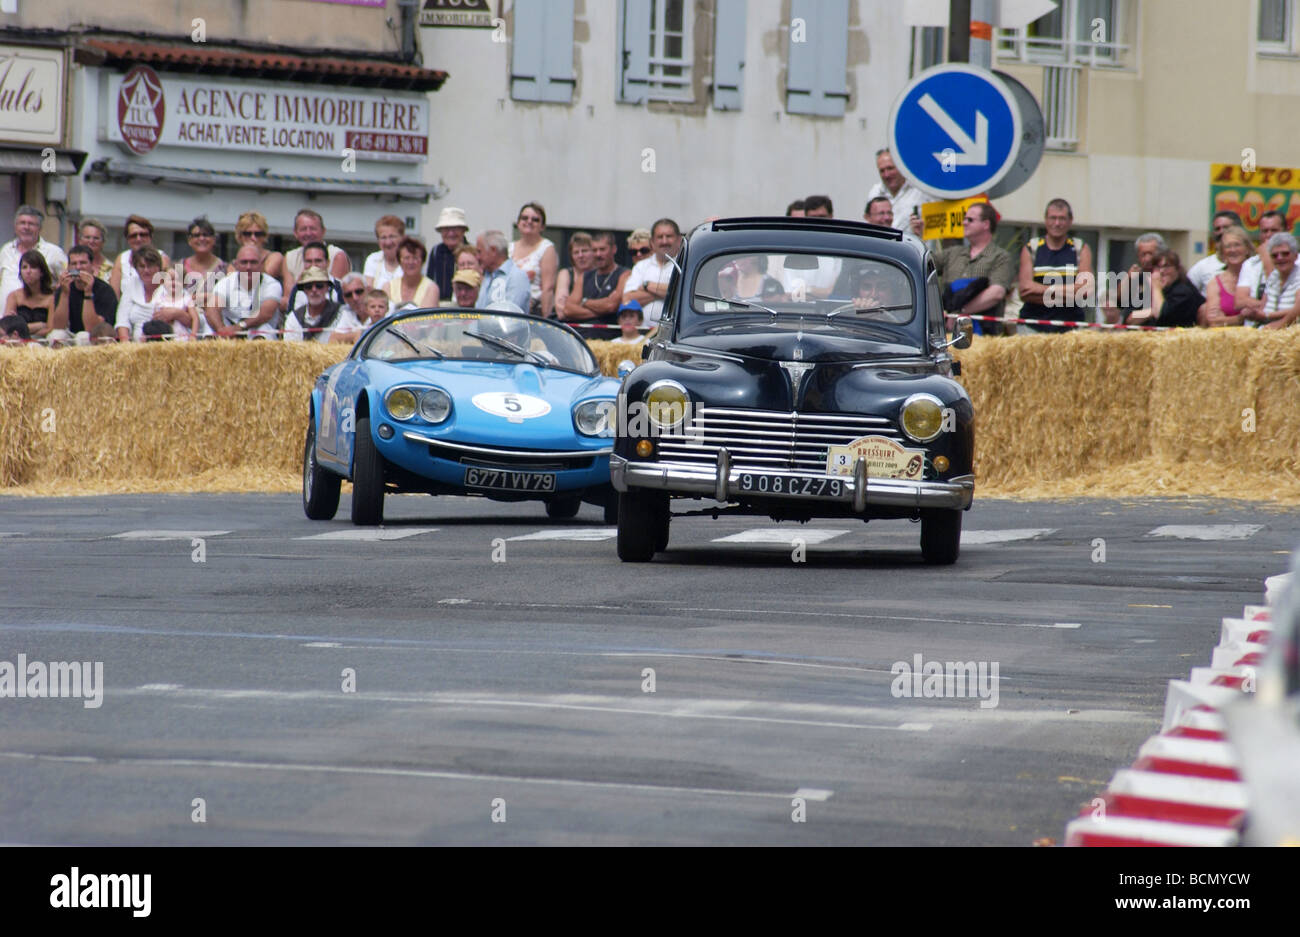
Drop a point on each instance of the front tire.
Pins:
(940, 536)
(561, 509)
(367, 478)
(320, 487)
(643, 519)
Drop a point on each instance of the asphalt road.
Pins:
(505, 701)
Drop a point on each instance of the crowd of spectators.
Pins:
(312, 293)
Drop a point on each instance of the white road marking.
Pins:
(725, 709)
(322, 644)
(783, 536)
(813, 793)
(168, 534)
(1067, 624)
(160, 686)
(582, 534)
(402, 773)
(453, 601)
(1207, 531)
(974, 537)
(371, 534)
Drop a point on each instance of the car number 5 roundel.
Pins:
(514, 407)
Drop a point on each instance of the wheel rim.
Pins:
(309, 465)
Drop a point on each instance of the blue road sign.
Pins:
(955, 130)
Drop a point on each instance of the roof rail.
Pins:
(829, 225)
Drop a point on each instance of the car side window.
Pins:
(934, 306)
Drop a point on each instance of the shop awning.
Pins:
(32, 159)
(278, 63)
(109, 170)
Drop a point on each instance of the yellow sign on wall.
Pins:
(943, 219)
(1250, 194)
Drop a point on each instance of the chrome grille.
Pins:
(767, 440)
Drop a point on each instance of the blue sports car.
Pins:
(462, 401)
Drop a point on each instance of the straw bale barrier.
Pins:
(1056, 415)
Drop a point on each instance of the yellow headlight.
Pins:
(401, 403)
(667, 404)
(922, 418)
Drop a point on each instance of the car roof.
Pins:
(777, 233)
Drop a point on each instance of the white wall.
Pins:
(583, 161)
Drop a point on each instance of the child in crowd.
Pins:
(630, 317)
(376, 307)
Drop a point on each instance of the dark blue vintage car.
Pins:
(801, 370)
(461, 401)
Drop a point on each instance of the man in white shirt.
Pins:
(1250, 294)
(246, 300)
(903, 196)
(27, 228)
(648, 282)
(1208, 267)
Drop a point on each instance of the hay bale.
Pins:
(1081, 414)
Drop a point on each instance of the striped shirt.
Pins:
(1279, 297)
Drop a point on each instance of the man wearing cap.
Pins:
(465, 287)
(322, 316)
(452, 225)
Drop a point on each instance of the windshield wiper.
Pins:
(504, 345)
(739, 302)
(417, 348)
(849, 307)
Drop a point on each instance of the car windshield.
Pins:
(854, 289)
(480, 336)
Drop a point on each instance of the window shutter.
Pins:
(815, 77)
(541, 65)
(728, 54)
(634, 51)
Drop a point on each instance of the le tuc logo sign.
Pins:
(141, 109)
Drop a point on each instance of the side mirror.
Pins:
(625, 367)
(961, 332)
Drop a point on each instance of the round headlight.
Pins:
(594, 418)
(400, 403)
(435, 405)
(667, 404)
(922, 417)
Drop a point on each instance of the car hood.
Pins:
(817, 345)
(488, 423)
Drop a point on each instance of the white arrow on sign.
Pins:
(972, 152)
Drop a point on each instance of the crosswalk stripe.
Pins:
(784, 537)
(168, 534)
(982, 537)
(1208, 531)
(584, 534)
(370, 534)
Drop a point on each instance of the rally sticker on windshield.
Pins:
(885, 458)
(514, 407)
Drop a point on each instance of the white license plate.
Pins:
(787, 486)
(509, 481)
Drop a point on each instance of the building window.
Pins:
(1077, 32)
(1276, 31)
(928, 48)
(670, 50)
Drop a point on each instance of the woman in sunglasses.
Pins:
(1282, 288)
(251, 228)
(139, 235)
(536, 257)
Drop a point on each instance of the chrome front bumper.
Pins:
(717, 482)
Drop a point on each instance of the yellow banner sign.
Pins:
(1250, 194)
(943, 219)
